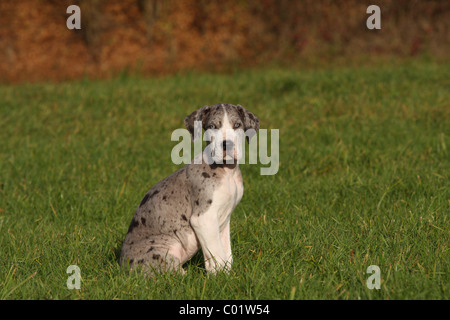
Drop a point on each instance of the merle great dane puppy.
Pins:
(191, 208)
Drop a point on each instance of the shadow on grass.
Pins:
(195, 263)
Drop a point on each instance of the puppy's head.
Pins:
(225, 126)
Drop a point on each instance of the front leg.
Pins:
(206, 227)
(226, 243)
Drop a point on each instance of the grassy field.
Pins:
(363, 180)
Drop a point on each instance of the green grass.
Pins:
(363, 180)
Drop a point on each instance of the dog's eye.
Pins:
(237, 125)
(211, 126)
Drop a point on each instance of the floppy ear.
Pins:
(197, 115)
(249, 119)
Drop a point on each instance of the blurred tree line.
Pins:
(160, 36)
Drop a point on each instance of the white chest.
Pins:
(227, 196)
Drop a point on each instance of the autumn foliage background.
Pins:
(157, 37)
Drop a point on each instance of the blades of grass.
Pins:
(4, 297)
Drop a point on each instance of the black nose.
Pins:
(228, 145)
